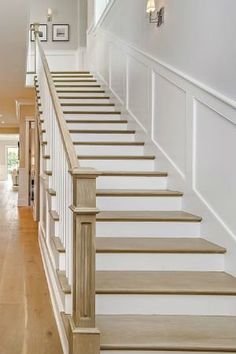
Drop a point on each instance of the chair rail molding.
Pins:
(183, 118)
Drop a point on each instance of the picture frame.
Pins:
(60, 33)
(43, 28)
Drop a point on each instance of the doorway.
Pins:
(13, 165)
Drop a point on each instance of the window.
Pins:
(100, 6)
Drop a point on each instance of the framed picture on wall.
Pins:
(43, 29)
(60, 33)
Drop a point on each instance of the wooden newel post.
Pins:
(85, 337)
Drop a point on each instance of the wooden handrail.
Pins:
(65, 135)
(84, 336)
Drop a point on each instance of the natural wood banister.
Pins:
(80, 234)
(67, 141)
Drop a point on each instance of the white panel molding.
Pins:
(53, 290)
(215, 227)
(153, 93)
(203, 198)
(81, 58)
(171, 69)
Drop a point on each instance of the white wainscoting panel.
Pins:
(214, 168)
(118, 72)
(138, 91)
(169, 120)
(190, 127)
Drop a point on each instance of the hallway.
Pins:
(27, 324)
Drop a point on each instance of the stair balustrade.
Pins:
(72, 209)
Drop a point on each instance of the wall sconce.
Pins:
(49, 15)
(159, 18)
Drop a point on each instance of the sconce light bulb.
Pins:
(151, 6)
(49, 14)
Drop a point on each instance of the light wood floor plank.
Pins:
(27, 324)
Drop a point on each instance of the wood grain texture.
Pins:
(27, 323)
(109, 143)
(180, 333)
(140, 216)
(134, 173)
(93, 112)
(116, 157)
(94, 131)
(156, 245)
(95, 121)
(81, 91)
(137, 193)
(84, 97)
(166, 282)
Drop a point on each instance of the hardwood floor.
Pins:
(27, 323)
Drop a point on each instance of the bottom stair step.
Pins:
(122, 334)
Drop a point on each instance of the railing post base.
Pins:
(83, 340)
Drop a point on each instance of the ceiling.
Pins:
(9, 137)
(14, 19)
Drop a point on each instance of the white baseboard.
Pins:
(55, 298)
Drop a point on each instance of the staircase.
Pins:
(160, 286)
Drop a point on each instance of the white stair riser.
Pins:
(209, 305)
(119, 165)
(109, 149)
(87, 92)
(139, 203)
(62, 261)
(97, 126)
(147, 229)
(89, 108)
(68, 303)
(76, 84)
(74, 78)
(101, 137)
(122, 182)
(91, 116)
(83, 101)
(159, 262)
(155, 262)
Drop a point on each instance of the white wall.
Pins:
(185, 120)
(198, 37)
(63, 12)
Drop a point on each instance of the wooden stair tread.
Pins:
(96, 131)
(65, 287)
(110, 143)
(165, 282)
(58, 245)
(134, 173)
(57, 76)
(84, 97)
(70, 86)
(70, 72)
(54, 215)
(137, 193)
(81, 91)
(167, 333)
(93, 112)
(141, 216)
(55, 79)
(102, 121)
(116, 157)
(156, 245)
(87, 104)
(51, 192)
